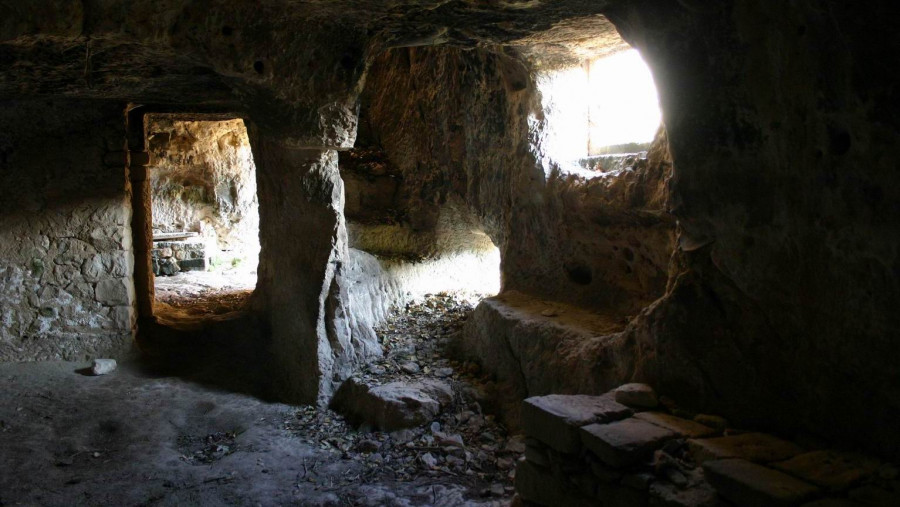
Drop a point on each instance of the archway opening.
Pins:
(205, 218)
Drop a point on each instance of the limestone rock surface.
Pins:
(750, 485)
(637, 395)
(392, 406)
(556, 419)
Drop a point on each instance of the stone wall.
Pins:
(203, 180)
(66, 290)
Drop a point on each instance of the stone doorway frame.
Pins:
(138, 162)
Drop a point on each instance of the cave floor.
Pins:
(135, 437)
(204, 293)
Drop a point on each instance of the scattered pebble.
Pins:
(103, 366)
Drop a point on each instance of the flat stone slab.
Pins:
(624, 443)
(392, 406)
(747, 484)
(756, 447)
(832, 470)
(555, 419)
(683, 427)
(637, 396)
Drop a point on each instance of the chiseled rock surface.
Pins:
(623, 443)
(750, 485)
(682, 427)
(392, 406)
(531, 353)
(756, 447)
(555, 419)
(831, 470)
(637, 396)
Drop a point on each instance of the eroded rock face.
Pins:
(781, 128)
(781, 301)
(602, 243)
(392, 406)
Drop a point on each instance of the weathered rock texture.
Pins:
(203, 180)
(65, 233)
(302, 288)
(782, 135)
(600, 243)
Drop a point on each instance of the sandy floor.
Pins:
(178, 431)
(131, 439)
(202, 293)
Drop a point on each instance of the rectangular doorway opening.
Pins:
(205, 215)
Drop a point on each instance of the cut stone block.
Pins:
(832, 470)
(112, 292)
(539, 485)
(683, 427)
(756, 447)
(392, 406)
(555, 419)
(637, 396)
(747, 484)
(103, 366)
(624, 443)
(713, 421)
(192, 264)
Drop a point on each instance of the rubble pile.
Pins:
(416, 413)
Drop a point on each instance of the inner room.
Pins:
(205, 216)
(449, 253)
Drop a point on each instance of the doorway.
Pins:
(204, 215)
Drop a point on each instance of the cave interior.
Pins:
(449, 253)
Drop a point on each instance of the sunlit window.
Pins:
(623, 104)
(596, 107)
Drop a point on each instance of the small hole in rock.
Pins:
(840, 140)
(258, 66)
(579, 274)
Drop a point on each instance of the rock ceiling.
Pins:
(220, 51)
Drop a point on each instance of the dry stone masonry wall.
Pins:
(624, 449)
(66, 290)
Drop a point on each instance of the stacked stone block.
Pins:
(618, 449)
(171, 257)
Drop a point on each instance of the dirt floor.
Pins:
(204, 293)
(138, 438)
